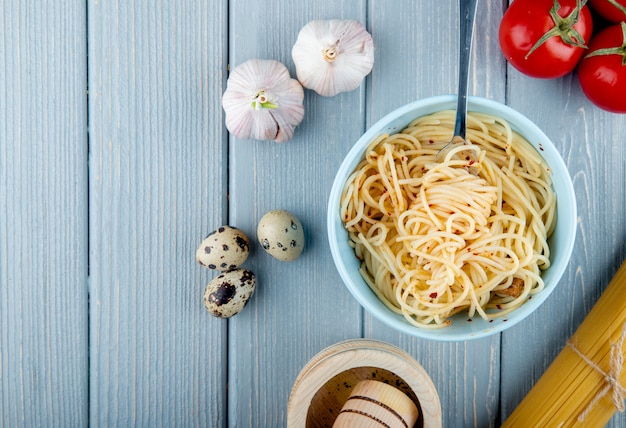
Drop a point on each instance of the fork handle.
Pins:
(467, 9)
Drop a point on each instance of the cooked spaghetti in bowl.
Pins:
(436, 251)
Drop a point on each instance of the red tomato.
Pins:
(602, 72)
(545, 38)
(611, 10)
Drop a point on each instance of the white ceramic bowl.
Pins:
(561, 242)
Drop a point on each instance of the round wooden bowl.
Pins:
(325, 383)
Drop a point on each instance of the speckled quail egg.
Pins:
(223, 249)
(280, 233)
(228, 293)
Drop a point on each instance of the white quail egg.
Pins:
(223, 249)
(280, 233)
(228, 293)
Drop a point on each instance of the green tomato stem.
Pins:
(618, 6)
(563, 28)
(617, 50)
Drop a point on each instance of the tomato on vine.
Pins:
(602, 72)
(611, 10)
(545, 38)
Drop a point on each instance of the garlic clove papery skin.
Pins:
(262, 101)
(333, 56)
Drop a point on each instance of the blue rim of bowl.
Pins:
(461, 328)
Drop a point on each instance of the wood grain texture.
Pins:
(590, 143)
(104, 199)
(302, 306)
(157, 186)
(43, 214)
(424, 57)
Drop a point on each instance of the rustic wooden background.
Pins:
(115, 163)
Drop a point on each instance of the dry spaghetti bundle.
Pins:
(584, 385)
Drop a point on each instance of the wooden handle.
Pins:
(374, 404)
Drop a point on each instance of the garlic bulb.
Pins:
(262, 101)
(333, 56)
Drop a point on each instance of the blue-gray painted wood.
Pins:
(301, 306)
(101, 314)
(43, 214)
(157, 172)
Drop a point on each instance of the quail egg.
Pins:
(223, 249)
(280, 233)
(228, 293)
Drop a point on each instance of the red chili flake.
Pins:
(469, 249)
(430, 141)
(469, 320)
(403, 158)
(490, 320)
(472, 162)
(541, 147)
(498, 306)
(451, 212)
(433, 295)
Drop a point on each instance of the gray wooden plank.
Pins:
(300, 307)
(418, 58)
(43, 214)
(590, 141)
(157, 186)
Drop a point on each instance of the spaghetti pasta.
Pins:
(435, 240)
(584, 385)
